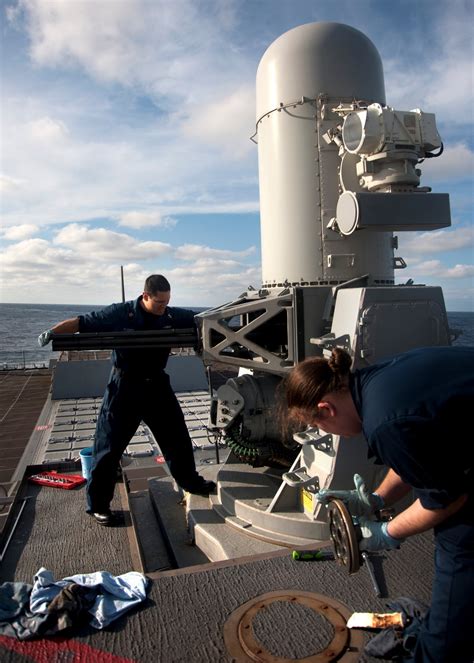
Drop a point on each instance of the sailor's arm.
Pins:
(392, 489)
(69, 326)
(417, 519)
(377, 535)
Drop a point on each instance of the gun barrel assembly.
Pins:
(162, 338)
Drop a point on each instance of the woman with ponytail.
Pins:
(415, 410)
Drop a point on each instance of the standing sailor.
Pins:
(138, 390)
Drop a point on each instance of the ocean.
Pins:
(21, 324)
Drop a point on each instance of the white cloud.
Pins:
(22, 231)
(79, 176)
(137, 111)
(225, 123)
(101, 36)
(436, 268)
(36, 270)
(456, 163)
(211, 205)
(436, 241)
(199, 253)
(35, 262)
(101, 160)
(9, 184)
(48, 129)
(208, 284)
(459, 272)
(157, 45)
(103, 244)
(146, 219)
(438, 79)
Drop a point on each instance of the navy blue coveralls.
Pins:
(417, 411)
(138, 390)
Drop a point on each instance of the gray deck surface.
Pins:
(22, 396)
(184, 616)
(57, 533)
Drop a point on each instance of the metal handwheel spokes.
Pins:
(343, 535)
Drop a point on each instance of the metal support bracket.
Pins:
(311, 436)
(301, 479)
(329, 341)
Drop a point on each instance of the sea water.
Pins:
(21, 324)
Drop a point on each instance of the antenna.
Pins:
(123, 284)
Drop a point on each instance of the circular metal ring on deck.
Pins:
(343, 535)
(345, 647)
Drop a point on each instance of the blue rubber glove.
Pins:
(44, 338)
(359, 501)
(376, 537)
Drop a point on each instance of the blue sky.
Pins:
(125, 131)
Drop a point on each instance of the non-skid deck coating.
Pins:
(56, 532)
(22, 397)
(184, 616)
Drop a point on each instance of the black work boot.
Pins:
(201, 487)
(108, 518)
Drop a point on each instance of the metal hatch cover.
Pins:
(239, 633)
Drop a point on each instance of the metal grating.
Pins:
(72, 428)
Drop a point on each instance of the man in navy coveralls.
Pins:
(416, 412)
(138, 390)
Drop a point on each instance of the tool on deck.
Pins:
(345, 537)
(311, 555)
(56, 480)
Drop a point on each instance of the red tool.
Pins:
(56, 480)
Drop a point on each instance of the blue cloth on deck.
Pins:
(25, 609)
(115, 594)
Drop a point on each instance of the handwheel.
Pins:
(343, 535)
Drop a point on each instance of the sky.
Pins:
(125, 130)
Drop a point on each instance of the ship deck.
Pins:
(190, 612)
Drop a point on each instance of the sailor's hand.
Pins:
(359, 501)
(376, 537)
(44, 338)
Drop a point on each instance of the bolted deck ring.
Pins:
(345, 647)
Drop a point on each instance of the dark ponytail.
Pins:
(340, 363)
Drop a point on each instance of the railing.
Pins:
(25, 359)
(29, 359)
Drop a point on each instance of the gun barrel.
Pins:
(161, 338)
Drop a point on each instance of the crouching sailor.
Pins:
(415, 411)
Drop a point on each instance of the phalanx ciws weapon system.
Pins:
(339, 175)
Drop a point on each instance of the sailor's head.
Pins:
(317, 394)
(156, 294)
